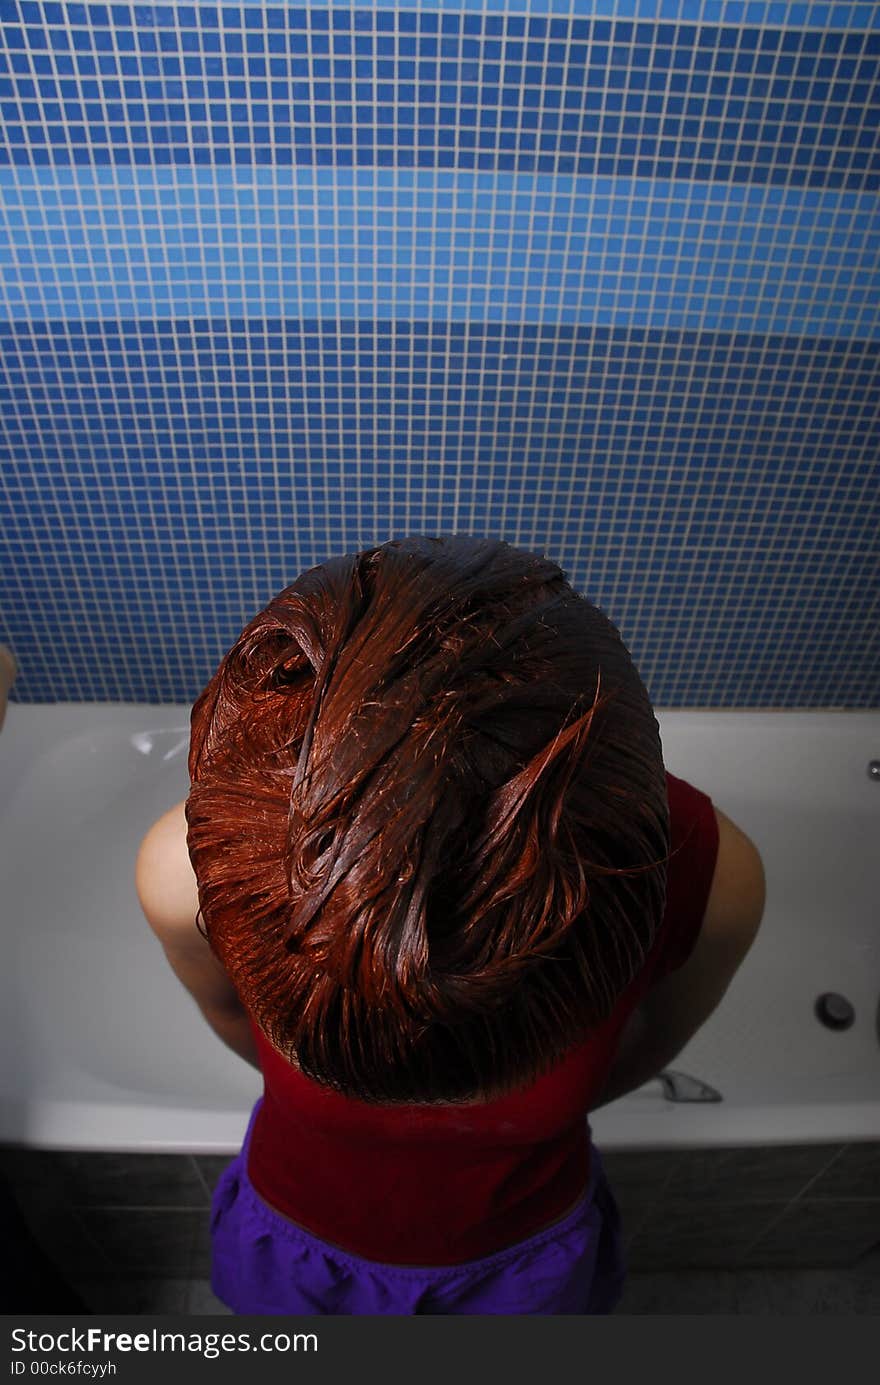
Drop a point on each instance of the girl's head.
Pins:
(428, 819)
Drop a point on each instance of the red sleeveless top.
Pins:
(438, 1185)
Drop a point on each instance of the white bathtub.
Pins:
(103, 1049)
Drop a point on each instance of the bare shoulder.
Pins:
(681, 1001)
(167, 890)
(738, 893)
(164, 877)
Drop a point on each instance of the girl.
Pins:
(451, 902)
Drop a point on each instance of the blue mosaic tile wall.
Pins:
(601, 279)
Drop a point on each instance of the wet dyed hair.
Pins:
(428, 819)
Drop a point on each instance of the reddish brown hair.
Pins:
(428, 819)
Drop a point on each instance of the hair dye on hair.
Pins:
(428, 819)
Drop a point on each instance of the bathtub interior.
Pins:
(94, 1020)
(91, 1008)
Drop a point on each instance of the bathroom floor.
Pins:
(767, 1293)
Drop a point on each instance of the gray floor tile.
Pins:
(698, 1291)
(133, 1180)
(202, 1300)
(771, 1293)
(855, 1173)
(200, 1263)
(87, 1178)
(674, 1237)
(143, 1241)
(34, 1169)
(817, 1234)
(638, 1177)
(756, 1174)
(120, 1295)
(63, 1236)
(211, 1166)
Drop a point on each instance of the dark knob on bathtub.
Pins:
(835, 1010)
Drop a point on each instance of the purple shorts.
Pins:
(263, 1263)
